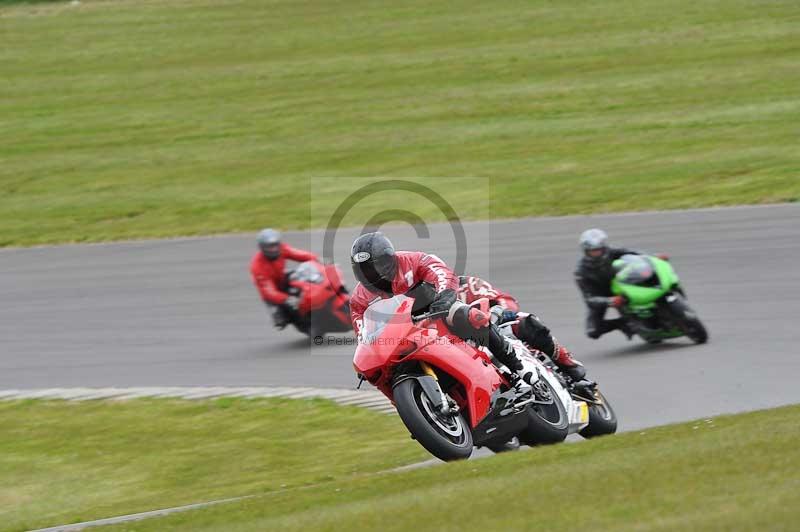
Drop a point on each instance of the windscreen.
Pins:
(635, 269)
(378, 315)
(307, 272)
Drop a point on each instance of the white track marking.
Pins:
(371, 399)
(139, 516)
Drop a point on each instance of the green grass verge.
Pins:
(63, 462)
(133, 118)
(729, 473)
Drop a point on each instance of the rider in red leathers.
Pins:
(473, 288)
(267, 270)
(412, 268)
(383, 272)
(528, 328)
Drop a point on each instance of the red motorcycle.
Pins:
(324, 301)
(452, 395)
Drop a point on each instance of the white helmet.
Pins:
(269, 242)
(594, 243)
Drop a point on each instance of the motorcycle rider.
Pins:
(528, 328)
(267, 270)
(593, 275)
(383, 272)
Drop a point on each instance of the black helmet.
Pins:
(594, 243)
(269, 242)
(374, 262)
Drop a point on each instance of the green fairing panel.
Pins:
(635, 269)
(666, 273)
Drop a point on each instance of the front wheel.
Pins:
(447, 437)
(688, 321)
(696, 331)
(602, 418)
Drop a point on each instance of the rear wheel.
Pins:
(547, 421)
(602, 418)
(447, 437)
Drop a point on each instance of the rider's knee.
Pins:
(536, 333)
(531, 326)
(460, 326)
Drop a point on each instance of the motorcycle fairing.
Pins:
(643, 298)
(501, 422)
(466, 364)
(434, 345)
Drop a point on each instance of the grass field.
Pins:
(316, 466)
(64, 462)
(126, 118)
(729, 473)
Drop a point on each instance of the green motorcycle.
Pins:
(655, 305)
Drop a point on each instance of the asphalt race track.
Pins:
(183, 312)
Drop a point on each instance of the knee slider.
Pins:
(461, 327)
(536, 333)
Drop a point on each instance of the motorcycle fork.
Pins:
(433, 390)
(428, 370)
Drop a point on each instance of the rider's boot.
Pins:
(280, 319)
(626, 329)
(571, 367)
(616, 324)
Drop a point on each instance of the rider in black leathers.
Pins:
(593, 276)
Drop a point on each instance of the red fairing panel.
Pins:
(467, 365)
(372, 357)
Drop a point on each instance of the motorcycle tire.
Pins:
(547, 424)
(688, 321)
(602, 419)
(445, 437)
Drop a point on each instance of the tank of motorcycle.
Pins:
(643, 280)
(314, 281)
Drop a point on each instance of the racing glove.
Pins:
(662, 256)
(616, 301)
(600, 301)
(597, 301)
(443, 301)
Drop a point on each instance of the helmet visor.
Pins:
(271, 250)
(376, 273)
